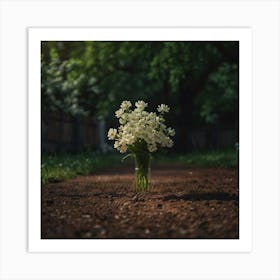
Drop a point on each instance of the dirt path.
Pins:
(184, 203)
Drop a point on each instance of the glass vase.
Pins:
(142, 172)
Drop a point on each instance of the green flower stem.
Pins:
(142, 171)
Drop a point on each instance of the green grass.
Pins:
(224, 158)
(55, 168)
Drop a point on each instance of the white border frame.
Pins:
(243, 35)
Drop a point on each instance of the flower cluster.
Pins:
(140, 129)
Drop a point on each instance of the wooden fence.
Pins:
(66, 134)
(205, 138)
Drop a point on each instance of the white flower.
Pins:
(170, 131)
(140, 126)
(141, 105)
(122, 121)
(169, 143)
(112, 133)
(119, 113)
(152, 148)
(123, 148)
(116, 145)
(125, 105)
(163, 108)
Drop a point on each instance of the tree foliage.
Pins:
(199, 80)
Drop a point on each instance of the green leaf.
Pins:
(127, 156)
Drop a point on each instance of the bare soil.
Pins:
(201, 203)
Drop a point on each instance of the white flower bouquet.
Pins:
(141, 133)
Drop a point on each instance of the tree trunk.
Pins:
(186, 101)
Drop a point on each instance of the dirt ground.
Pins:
(184, 203)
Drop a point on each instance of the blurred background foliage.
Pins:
(198, 80)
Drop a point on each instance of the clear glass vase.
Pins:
(142, 172)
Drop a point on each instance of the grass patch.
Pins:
(224, 158)
(56, 168)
